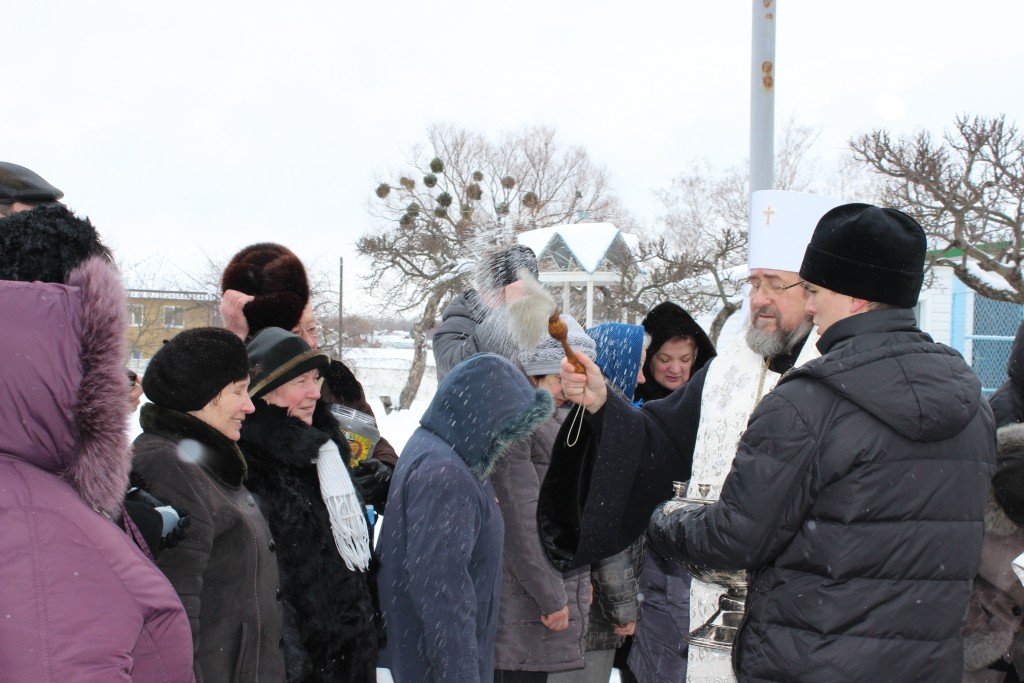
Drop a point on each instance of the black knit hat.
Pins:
(276, 277)
(666, 321)
(502, 268)
(19, 184)
(277, 356)
(46, 244)
(869, 253)
(194, 367)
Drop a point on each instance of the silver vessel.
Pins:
(718, 632)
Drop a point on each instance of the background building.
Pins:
(157, 315)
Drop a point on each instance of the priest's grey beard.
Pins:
(772, 344)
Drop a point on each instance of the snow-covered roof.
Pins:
(588, 242)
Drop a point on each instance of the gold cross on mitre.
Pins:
(768, 213)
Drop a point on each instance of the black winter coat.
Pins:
(330, 631)
(1008, 400)
(857, 499)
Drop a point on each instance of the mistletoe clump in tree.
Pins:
(462, 192)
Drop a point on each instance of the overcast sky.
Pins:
(191, 128)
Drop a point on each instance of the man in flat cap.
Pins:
(857, 496)
(22, 189)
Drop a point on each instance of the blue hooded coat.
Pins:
(441, 540)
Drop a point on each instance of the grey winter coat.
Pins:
(440, 543)
(225, 570)
(530, 586)
(466, 330)
(856, 499)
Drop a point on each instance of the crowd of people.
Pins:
(834, 452)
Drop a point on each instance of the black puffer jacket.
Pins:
(1008, 400)
(857, 499)
(330, 625)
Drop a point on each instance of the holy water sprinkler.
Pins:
(560, 332)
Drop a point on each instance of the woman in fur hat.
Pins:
(299, 473)
(265, 285)
(80, 600)
(225, 570)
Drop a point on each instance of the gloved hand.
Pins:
(161, 524)
(373, 479)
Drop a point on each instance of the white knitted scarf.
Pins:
(347, 519)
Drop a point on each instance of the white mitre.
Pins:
(781, 224)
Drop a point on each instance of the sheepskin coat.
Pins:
(441, 541)
(225, 569)
(81, 601)
(330, 627)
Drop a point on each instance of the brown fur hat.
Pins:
(276, 277)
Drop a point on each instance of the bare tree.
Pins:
(704, 226)
(462, 194)
(967, 191)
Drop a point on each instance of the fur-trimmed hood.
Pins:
(62, 382)
(483, 406)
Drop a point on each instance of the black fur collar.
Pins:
(286, 440)
(224, 460)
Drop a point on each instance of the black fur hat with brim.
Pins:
(45, 244)
(277, 356)
(276, 278)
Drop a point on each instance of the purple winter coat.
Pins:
(80, 601)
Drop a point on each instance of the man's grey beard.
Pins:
(773, 344)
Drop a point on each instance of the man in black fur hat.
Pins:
(857, 496)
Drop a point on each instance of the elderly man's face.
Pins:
(777, 315)
(774, 304)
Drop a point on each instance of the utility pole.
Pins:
(341, 299)
(762, 94)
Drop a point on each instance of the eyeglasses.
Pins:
(769, 289)
(312, 329)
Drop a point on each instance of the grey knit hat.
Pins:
(546, 358)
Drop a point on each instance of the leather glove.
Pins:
(373, 479)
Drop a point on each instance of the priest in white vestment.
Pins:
(600, 492)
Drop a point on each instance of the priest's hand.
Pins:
(588, 390)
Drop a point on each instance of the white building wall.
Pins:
(936, 306)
